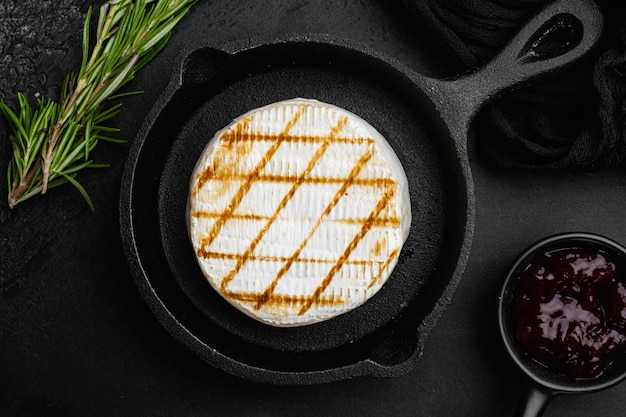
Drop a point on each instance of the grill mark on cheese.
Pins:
(363, 160)
(286, 198)
(382, 203)
(282, 259)
(217, 166)
(233, 137)
(380, 222)
(228, 166)
(383, 267)
(285, 179)
(242, 217)
(245, 187)
(379, 245)
(283, 299)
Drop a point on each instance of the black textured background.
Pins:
(77, 340)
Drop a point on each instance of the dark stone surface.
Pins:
(76, 339)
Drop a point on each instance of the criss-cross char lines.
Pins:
(281, 227)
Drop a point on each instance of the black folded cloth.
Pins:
(575, 120)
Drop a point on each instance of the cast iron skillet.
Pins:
(425, 121)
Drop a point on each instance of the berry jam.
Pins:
(569, 311)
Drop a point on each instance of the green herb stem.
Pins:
(53, 142)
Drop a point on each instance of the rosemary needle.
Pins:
(53, 141)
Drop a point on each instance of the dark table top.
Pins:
(76, 338)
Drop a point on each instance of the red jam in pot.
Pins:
(569, 310)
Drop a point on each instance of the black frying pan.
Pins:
(425, 121)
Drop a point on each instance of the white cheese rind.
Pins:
(297, 212)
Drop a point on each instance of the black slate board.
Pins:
(76, 338)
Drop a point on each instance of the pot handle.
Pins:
(534, 401)
(557, 36)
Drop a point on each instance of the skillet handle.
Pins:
(557, 36)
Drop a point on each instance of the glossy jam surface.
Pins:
(569, 310)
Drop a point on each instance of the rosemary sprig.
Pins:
(52, 142)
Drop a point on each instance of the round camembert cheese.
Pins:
(297, 212)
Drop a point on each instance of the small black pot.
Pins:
(545, 383)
